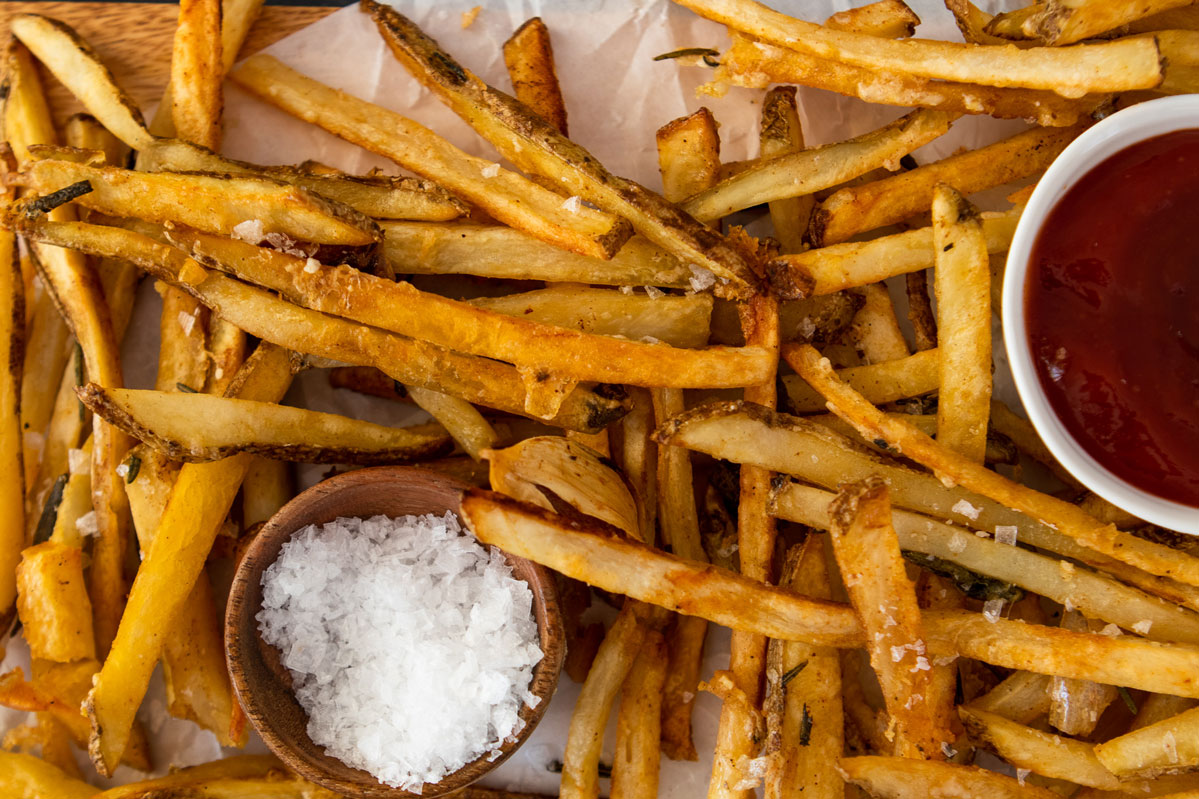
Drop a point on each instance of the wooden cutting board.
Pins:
(134, 39)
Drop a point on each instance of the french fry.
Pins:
(53, 605)
(841, 266)
(972, 22)
(808, 171)
(76, 65)
(196, 73)
(461, 420)
(781, 134)
(998, 450)
(226, 349)
(530, 61)
(1095, 594)
(1022, 697)
(887, 19)
(1159, 707)
(1026, 439)
(25, 775)
(858, 209)
(404, 309)
(231, 426)
(506, 196)
(1168, 745)
(236, 767)
(258, 313)
(380, 196)
(688, 154)
(963, 286)
(198, 506)
(585, 738)
(808, 680)
(266, 488)
(1039, 752)
(1010, 25)
(905, 778)
(920, 310)
(874, 330)
(1075, 705)
(755, 64)
(537, 147)
(868, 555)
(638, 723)
(501, 252)
(211, 203)
(880, 382)
(1114, 66)
(1068, 519)
(182, 334)
(12, 472)
(677, 321)
(1072, 21)
(76, 504)
(571, 473)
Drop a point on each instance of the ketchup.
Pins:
(1113, 324)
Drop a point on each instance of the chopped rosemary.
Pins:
(1127, 697)
(793, 673)
(186, 389)
(49, 517)
(805, 727)
(56, 198)
(135, 464)
(707, 53)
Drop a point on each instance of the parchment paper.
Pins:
(616, 97)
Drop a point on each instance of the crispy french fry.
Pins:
(53, 605)
(858, 209)
(1168, 745)
(182, 328)
(868, 555)
(28, 776)
(1022, 697)
(887, 19)
(1039, 752)
(570, 472)
(972, 22)
(508, 197)
(211, 203)
(1114, 66)
(755, 64)
(530, 61)
(12, 472)
(1068, 519)
(811, 735)
(227, 351)
(236, 767)
(905, 778)
(231, 426)
(1075, 705)
(402, 308)
(461, 420)
(1010, 25)
(1159, 707)
(76, 65)
(595, 554)
(874, 330)
(963, 286)
(266, 488)
(1097, 595)
(198, 506)
(380, 197)
(283, 785)
(920, 310)
(780, 134)
(259, 313)
(638, 723)
(688, 154)
(808, 171)
(196, 73)
(1068, 21)
(880, 382)
(537, 147)
(585, 738)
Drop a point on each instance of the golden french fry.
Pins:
(505, 195)
(879, 382)
(963, 286)
(266, 488)
(874, 330)
(1076, 705)
(905, 778)
(28, 776)
(1067, 21)
(537, 147)
(165, 420)
(196, 72)
(887, 19)
(530, 61)
(1168, 745)
(858, 209)
(780, 134)
(688, 154)
(755, 64)
(1069, 520)
(808, 171)
(461, 420)
(53, 605)
(1114, 66)
(1021, 697)
(867, 552)
(638, 723)
(1039, 752)
(12, 473)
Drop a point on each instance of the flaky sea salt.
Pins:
(1022, 774)
(573, 203)
(963, 507)
(490, 171)
(701, 278)
(312, 266)
(1142, 627)
(78, 461)
(410, 646)
(992, 608)
(87, 524)
(1006, 534)
(250, 231)
(186, 322)
(958, 543)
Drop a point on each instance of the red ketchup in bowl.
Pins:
(1113, 327)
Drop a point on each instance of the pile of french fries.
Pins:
(710, 427)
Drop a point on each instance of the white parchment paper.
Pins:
(616, 97)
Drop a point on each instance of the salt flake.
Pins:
(1006, 534)
(964, 508)
(992, 608)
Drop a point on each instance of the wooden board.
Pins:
(134, 39)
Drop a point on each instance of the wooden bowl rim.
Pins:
(239, 653)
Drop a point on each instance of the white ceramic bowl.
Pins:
(1119, 131)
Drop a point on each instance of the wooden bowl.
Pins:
(264, 687)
